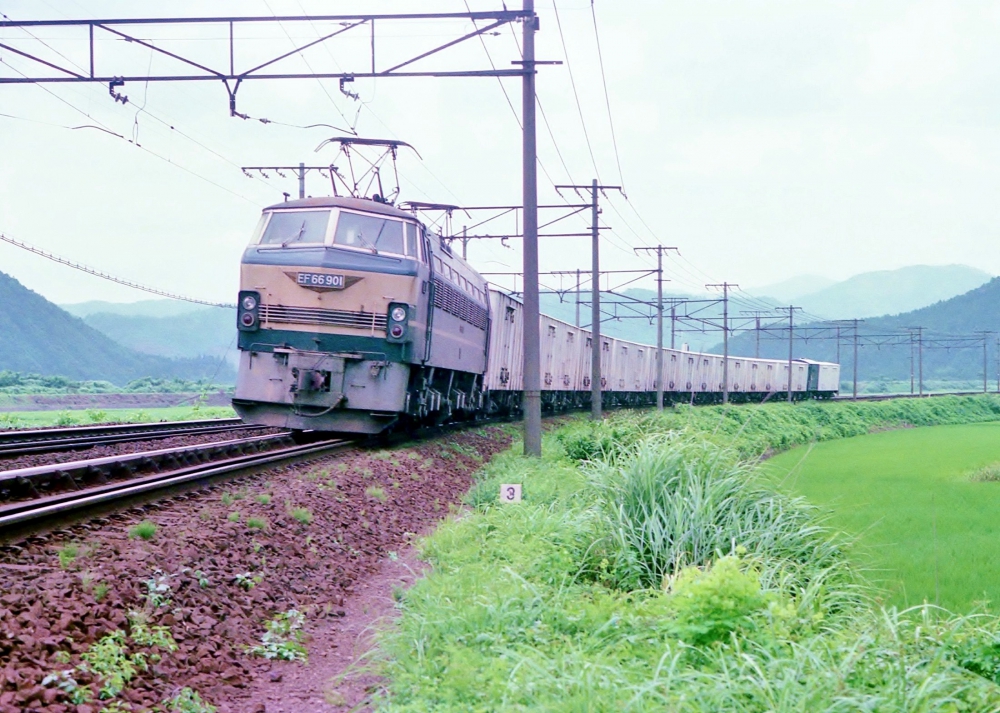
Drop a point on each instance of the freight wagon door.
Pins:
(813, 381)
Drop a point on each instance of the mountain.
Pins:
(142, 308)
(872, 294)
(203, 331)
(793, 288)
(885, 357)
(41, 338)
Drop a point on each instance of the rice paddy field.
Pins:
(925, 523)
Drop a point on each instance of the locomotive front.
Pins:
(332, 311)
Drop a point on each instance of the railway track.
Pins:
(36, 494)
(50, 440)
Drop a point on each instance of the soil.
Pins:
(115, 449)
(319, 543)
(76, 402)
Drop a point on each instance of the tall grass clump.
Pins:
(672, 502)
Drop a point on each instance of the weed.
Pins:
(145, 530)
(202, 578)
(68, 554)
(97, 416)
(234, 516)
(264, 499)
(64, 681)
(188, 701)
(227, 499)
(256, 523)
(374, 491)
(247, 581)
(205, 515)
(65, 418)
(144, 635)
(283, 638)
(303, 515)
(108, 659)
(987, 474)
(256, 546)
(240, 494)
(100, 591)
(158, 590)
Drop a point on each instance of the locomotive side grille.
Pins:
(458, 303)
(323, 317)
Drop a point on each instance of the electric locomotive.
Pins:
(353, 317)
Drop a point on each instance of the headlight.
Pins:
(249, 303)
(398, 314)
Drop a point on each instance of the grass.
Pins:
(930, 532)
(68, 554)
(302, 515)
(43, 419)
(256, 523)
(667, 574)
(145, 530)
(377, 492)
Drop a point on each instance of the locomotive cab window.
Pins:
(295, 227)
(369, 232)
(411, 243)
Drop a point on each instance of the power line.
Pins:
(105, 276)
(607, 98)
(576, 96)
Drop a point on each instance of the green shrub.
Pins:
(712, 603)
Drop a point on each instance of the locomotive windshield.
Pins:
(291, 227)
(369, 232)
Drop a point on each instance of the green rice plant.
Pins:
(145, 530)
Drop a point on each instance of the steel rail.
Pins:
(22, 512)
(887, 397)
(20, 442)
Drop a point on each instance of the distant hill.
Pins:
(793, 288)
(872, 294)
(41, 338)
(201, 331)
(142, 308)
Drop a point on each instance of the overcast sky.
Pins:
(766, 139)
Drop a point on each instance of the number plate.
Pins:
(320, 280)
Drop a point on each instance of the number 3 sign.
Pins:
(510, 493)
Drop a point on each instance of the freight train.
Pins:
(353, 317)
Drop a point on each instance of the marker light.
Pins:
(247, 318)
(396, 331)
(249, 303)
(398, 314)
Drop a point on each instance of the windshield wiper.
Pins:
(368, 245)
(295, 237)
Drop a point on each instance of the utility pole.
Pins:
(920, 355)
(532, 327)
(595, 291)
(757, 314)
(659, 250)
(791, 335)
(911, 365)
(985, 333)
(300, 171)
(725, 337)
(578, 298)
(854, 324)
